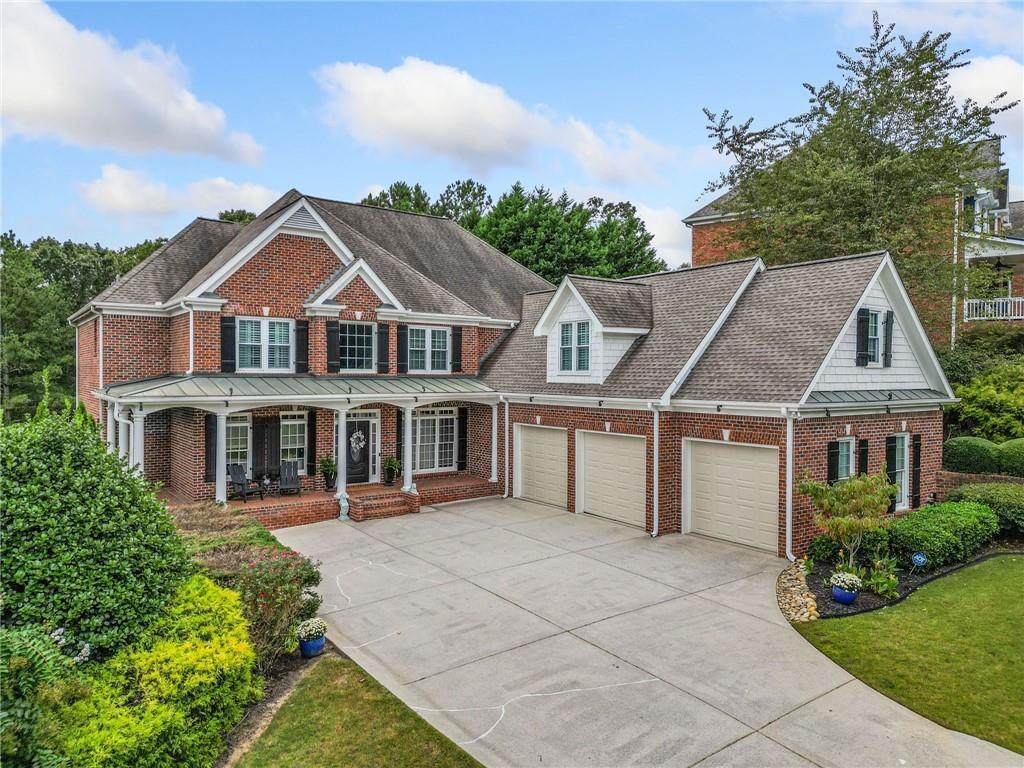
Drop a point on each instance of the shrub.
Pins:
(170, 698)
(992, 405)
(277, 593)
(824, 549)
(1011, 457)
(851, 508)
(87, 546)
(974, 455)
(1005, 499)
(947, 533)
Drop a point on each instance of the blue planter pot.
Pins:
(311, 648)
(843, 596)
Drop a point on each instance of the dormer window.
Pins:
(574, 346)
(874, 337)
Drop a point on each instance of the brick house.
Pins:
(684, 401)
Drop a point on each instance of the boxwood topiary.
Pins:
(87, 545)
(974, 455)
(1011, 457)
(1005, 499)
(947, 533)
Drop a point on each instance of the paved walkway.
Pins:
(533, 637)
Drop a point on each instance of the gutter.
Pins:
(654, 469)
(788, 413)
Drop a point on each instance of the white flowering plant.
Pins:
(848, 581)
(311, 629)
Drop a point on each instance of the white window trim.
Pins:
(265, 345)
(576, 346)
(880, 314)
(853, 457)
(436, 414)
(905, 484)
(428, 357)
(239, 418)
(305, 435)
(373, 346)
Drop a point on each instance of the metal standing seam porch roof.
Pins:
(291, 387)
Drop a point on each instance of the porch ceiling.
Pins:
(291, 388)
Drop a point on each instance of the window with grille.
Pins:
(433, 439)
(237, 438)
(264, 344)
(293, 438)
(356, 341)
(432, 359)
(574, 348)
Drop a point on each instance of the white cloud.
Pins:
(994, 24)
(423, 107)
(985, 77)
(83, 88)
(672, 238)
(130, 193)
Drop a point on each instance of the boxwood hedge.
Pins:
(1011, 457)
(974, 455)
(1005, 499)
(947, 533)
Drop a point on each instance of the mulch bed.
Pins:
(910, 582)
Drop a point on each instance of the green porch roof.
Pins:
(295, 387)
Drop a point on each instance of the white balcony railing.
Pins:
(1006, 308)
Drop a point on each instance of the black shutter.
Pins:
(891, 449)
(463, 438)
(311, 442)
(862, 459)
(273, 443)
(862, 337)
(403, 349)
(382, 348)
(457, 349)
(302, 346)
(228, 360)
(210, 474)
(260, 465)
(887, 352)
(400, 437)
(333, 347)
(833, 461)
(915, 472)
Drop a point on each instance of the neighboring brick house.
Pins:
(988, 228)
(685, 401)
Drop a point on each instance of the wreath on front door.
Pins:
(356, 444)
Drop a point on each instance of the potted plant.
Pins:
(392, 466)
(329, 470)
(845, 587)
(311, 637)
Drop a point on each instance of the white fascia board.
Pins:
(628, 331)
(732, 408)
(702, 347)
(579, 401)
(434, 318)
(555, 306)
(278, 226)
(358, 268)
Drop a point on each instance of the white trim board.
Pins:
(358, 268)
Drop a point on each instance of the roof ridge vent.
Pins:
(303, 219)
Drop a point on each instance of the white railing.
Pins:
(1006, 308)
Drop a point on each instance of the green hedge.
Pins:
(824, 550)
(1005, 499)
(973, 455)
(947, 533)
(87, 545)
(170, 698)
(1011, 457)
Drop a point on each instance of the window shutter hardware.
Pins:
(228, 357)
(862, 337)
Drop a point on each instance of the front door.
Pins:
(357, 450)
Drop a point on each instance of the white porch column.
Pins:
(221, 493)
(139, 442)
(110, 427)
(407, 484)
(122, 435)
(342, 459)
(494, 443)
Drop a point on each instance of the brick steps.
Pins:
(385, 502)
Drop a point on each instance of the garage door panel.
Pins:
(613, 476)
(734, 493)
(543, 467)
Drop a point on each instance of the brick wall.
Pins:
(88, 362)
(713, 243)
(177, 355)
(946, 481)
(158, 448)
(206, 334)
(134, 347)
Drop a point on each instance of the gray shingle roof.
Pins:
(163, 272)
(716, 207)
(780, 331)
(617, 304)
(685, 304)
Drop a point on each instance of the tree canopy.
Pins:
(873, 163)
(239, 215)
(553, 236)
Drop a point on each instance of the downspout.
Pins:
(76, 365)
(191, 338)
(654, 469)
(100, 321)
(789, 484)
(501, 398)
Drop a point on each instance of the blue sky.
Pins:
(124, 120)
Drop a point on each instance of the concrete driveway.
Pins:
(534, 637)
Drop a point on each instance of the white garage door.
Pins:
(542, 465)
(612, 476)
(734, 492)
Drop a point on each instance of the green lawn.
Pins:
(953, 651)
(339, 715)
